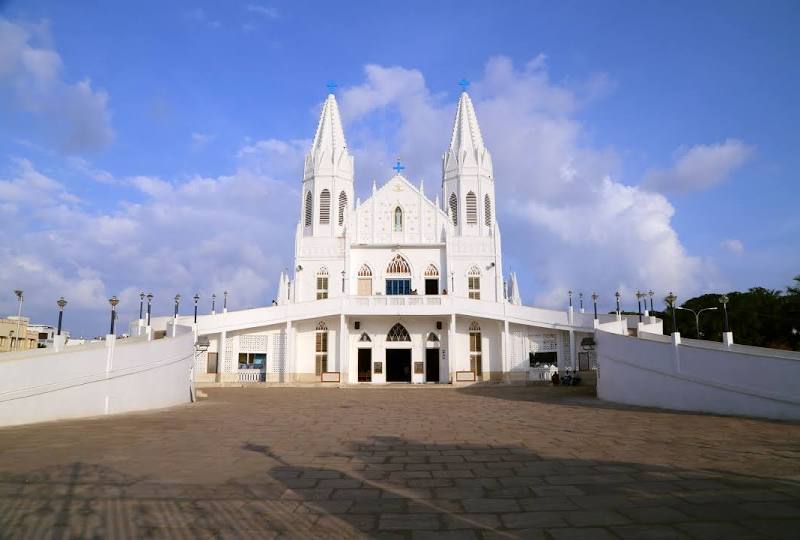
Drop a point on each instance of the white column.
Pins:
(504, 363)
(288, 365)
(727, 338)
(342, 360)
(572, 352)
(452, 355)
(223, 337)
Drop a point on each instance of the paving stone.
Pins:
(649, 532)
(718, 531)
(408, 522)
(525, 520)
(654, 514)
(586, 518)
(490, 505)
(587, 533)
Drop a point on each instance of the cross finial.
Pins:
(331, 86)
(464, 84)
(398, 167)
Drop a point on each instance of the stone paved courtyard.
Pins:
(434, 462)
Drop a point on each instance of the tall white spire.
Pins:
(329, 150)
(466, 132)
(466, 148)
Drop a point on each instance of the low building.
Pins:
(16, 335)
(46, 333)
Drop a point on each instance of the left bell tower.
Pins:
(327, 196)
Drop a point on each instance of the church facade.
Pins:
(405, 286)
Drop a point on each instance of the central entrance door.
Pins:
(364, 365)
(431, 365)
(398, 365)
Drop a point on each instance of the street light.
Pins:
(177, 304)
(651, 293)
(595, 296)
(639, 296)
(225, 301)
(19, 312)
(671, 298)
(580, 296)
(141, 304)
(149, 301)
(61, 303)
(196, 298)
(213, 303)
(697, 316)
(343, 274)
(724, 301)
(113, 301)
(569, 293)
(616, 294)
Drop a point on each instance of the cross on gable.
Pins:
(464, 84)
(331, 86)
(398, 167)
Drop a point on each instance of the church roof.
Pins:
(466, 132)
(330, 134)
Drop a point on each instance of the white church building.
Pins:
(401, 287)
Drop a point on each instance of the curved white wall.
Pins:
(698, 376)
(94, 379)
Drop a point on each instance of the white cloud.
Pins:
(566, 222)
(87, 169)
(732, 245)
(699, 167)
(264, 11)
(74, 115)
(201, 140)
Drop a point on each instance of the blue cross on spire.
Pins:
(464, 84)
(398, 167)
(331, 86)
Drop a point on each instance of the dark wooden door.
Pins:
(364, 365)
(431, 365)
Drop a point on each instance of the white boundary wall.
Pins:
(97, 378)
(703, 376)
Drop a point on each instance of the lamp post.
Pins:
(20, 298)
(177, 304)
(639, 296)
(697, 316)
(724, 301)
(569, 293)
(595, 296)
(213, 304)
(61, 303)
(141, 304)
(113, 301)
(224, 301)
(671, 298)
(580, 297)
(650, 293)
(343, 274)
(196, 298)
(616, 294)
(149, 301)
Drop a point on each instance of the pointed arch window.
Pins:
(322, 283)
(321, 348)
(487, 211)
(309, 210)
(454, 208)
(433, 337)
(398, 332)
(398, 220)
(364, 281)
(431, 279)
(398, 279)
(365, 338)
(342, 206)
(325, 207)
(475, 349)
(474, 283)
(398, 265)
(472, 209)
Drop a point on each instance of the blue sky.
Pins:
(158, 145)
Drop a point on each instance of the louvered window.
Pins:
(487, 209)
(454, 208)
(342, 206)
(309, 210)
(325, 207)
(472, 209)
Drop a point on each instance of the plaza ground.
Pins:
(402, 462)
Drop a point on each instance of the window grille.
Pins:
(398, 265)
(325, 207)
(309, 210)
(454, 208)
(472, 209)
(474, 283)
(342, 206)
(364, 271)
(487, 208)
(431, 271)
(322, 283)
(398, 332)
